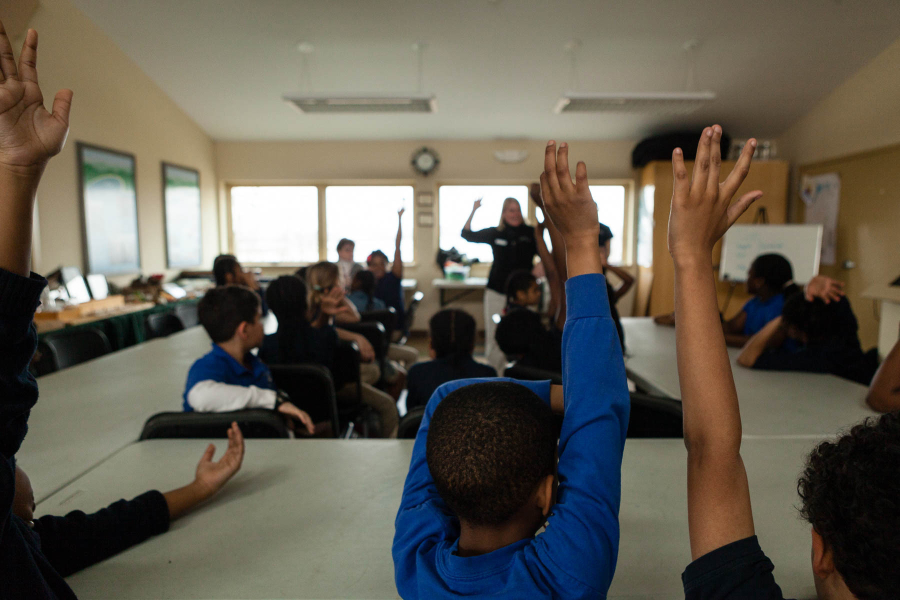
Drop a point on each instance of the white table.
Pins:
(409, 284)
(462, 288)
(773, 403)
(86, 413)
(315, 519)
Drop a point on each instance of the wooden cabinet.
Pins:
(656, 280)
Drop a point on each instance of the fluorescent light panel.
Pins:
(659, 103)
(363, 104)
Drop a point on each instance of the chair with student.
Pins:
(310, 388)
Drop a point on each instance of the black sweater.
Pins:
(77, 540)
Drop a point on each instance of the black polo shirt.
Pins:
(514, 248)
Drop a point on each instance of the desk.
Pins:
(773, 403)
(87, 412)
(451, 290)
(409, 284)
(303, 519)
(315, 519)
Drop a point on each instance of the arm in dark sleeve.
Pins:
(482, 236)
(809, 359)
(77, 540)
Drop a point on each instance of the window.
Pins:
(275, 224)
(610, 201)
(368, 216)
(455, 202)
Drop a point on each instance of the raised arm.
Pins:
(718, 494)
(627, 280)
(770, 336)
(475, 206)
(557, 257)
(397, 265)
(884, 393)
(582, 536)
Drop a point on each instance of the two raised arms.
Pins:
(29, 137)
(718, 493)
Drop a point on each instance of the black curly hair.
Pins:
(489, 446)
(850, 492)
(774, 269)
(223, 309)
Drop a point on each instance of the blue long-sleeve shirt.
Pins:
(575, 557)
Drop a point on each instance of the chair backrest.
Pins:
(188, 314)
(409, 424)
(67, 349)
(387, 317)
(310, 388)
(517, 371)
(163, 324)
(411, 310)
(374, 332)
(254, 423)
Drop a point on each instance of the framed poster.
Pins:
(181, 199)
(109, 210)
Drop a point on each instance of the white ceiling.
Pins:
(497, 67)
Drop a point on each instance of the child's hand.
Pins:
(701, 210)
(476, 205)
(211, 476)
(401, 211)
(29, 135)
(333, 303)
(828, 289)
(366, 351)
(535, 192)
(292, 411)
(569, 206)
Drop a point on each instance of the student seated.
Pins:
(347, 267)
(849, 487)
(451, 346)
(77, 540)
(614, 293)
(325, 303)
(483, 475)
(884, 392)
(389, 281)
(810, 336)
(521, 334)
(362, 293)
(230, 377)
(228, 271)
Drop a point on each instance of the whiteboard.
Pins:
(800, 244)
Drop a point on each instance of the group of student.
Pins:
(489, 467)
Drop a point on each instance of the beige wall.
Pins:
(461, 161)
(116, 105)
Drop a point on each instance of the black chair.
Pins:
(254, 423)
(387, 317)
(188, 314)
(409, 424)
(654, 417)
(67, 349)
(163, 325)
(310, 388)
(345, 371)
(409, 317)
(517, 371)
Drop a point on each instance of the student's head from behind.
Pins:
(769, 273)
(287, 298)
(850, 493)
(227, 270)
(232, 313)
(808, 322)
(321, 279)
(363, 281)
(605, 240)
(522, 288)
(452, 334)
(345, 249)
(512, 214)
(377, 262)
(23, 501)
(492, 453)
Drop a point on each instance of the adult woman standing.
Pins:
(514, 248)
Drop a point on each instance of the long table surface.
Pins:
(87, 412)
(315, 519)
(773, 403)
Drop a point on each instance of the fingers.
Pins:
(550, 173)
(741, 206)
(208, 453)
(562, 168)
(7, 60)
(701, 163)
(28, 57)
(581, 178)
(682, 183)
(715, 163)
(61, 105)
(740, 170)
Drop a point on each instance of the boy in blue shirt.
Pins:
(230, 377)
(482, 479)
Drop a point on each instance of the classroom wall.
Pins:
(116, 105)
(461, 162)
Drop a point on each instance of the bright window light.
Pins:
(275, 224)
(455, 205)
(368, 216)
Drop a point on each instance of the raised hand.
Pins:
(333, 302)
(535, 192)
(211, 476)
(29, 135)
(292, 411)
(476, 205)
(400, 212)
(828, 289)
(701, 209)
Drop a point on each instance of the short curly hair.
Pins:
(850, 492)
(489, 446)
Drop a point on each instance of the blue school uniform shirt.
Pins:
(760, 312)
(363, 303)
(575, 557)
(219, 366)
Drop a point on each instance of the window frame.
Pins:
(320, 185)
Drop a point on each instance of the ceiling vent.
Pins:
(364, 104)
(662, 103)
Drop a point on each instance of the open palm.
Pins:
(29, 135)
